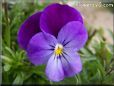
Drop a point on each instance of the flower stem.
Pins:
(76, 79)
(51, 82)
(6, 35)
(91, 37)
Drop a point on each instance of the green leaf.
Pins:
(10, 52)
(111, 33)
(87, 59)
(18, 80)
(103, 53)
(7, 67)
(6, 59)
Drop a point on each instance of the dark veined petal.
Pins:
(71, 63)
(54, 69)
(29, 28)
(40, 48)
(73, 35)
(55, 16)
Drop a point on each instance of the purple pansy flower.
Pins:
(59, 54)
(63, 34)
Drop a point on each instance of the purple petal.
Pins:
(40, 48)
(71, 63)
(29, 28)
(54, 69)
(73, 35)
(55, 16)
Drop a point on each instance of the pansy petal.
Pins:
(54, 69)
(29, 28)
(55, 16)
(73, 35)
(40, 48)
(71, 63)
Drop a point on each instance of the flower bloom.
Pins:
(63, 34)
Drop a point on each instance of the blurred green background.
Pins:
(97, 55)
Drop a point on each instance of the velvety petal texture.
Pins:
(55, 16)
(29, 28)
(54, 69)
(71, 63)
(73, 35)
(40, 48)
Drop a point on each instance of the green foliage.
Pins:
(97, 56)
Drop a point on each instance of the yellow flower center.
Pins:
(58, 49)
